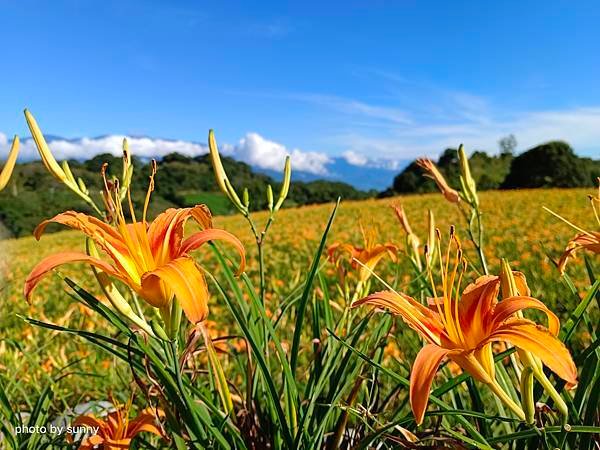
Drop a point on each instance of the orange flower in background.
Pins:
(152, 258)
(588, 240)
(362, 258)
(463, 330)
(584, 240)
(431, 171)
(116, 431)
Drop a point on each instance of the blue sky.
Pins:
(359, 79)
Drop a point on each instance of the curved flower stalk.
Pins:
(9, 165)
(583, 240)
(364, 259)
(116, 431)
(153, 259)
(462, 328)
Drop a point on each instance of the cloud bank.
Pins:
(253, 149)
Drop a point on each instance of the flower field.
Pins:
(434, 321)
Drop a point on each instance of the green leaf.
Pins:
(301, 308)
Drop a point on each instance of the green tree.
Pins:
(553, 164)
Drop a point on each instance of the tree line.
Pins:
(181, 181)
(552, 164)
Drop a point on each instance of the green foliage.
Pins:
(488, 171)
(551, 164)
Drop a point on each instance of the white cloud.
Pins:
(82, 148)
(252, 149)
(580, 127)
(356, 159)
(258, 151)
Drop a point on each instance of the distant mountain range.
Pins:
(364, 177)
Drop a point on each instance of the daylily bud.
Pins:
(158, 330)
(508, 285)
(68, 173)
(246, 197)
(63, 173)
(431, 171)
(430, 236)
(127, 172)
(82, 187)
(43, 149)
(467, 182)
(402, 218)
(412, 240)
(285, 186)
(9, 166)
(527, 401)
(270, 197)
(221, 175)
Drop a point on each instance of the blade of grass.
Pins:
(301, 309)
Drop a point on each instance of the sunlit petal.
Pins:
(589, 241)
(412, 312)
(214, 234)
(187, 283)
(511, 305)
(421, 376)
(53, 261)
(537, 340)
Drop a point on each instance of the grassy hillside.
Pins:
(517, 229)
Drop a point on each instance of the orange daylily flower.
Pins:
(363, 258)
(153, 259)
(116, 432)
(431, 171)
(590, 240)
(463, 330)
(586, 240)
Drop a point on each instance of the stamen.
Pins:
(461, 335)
(581, 230)
(593, 201)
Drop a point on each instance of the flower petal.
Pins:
(107, 237)
(165, 233)
(144, 422)
(588, 240)
(511, 305)
(93, 422)
(186, 281)
(53, 261)
(477, 301)
(417, 316)
(421, 376)
(535, 339)
(214, 234)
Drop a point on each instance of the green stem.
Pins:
(219, 375)
(496, 389)
(549, 388)
(480, 242)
